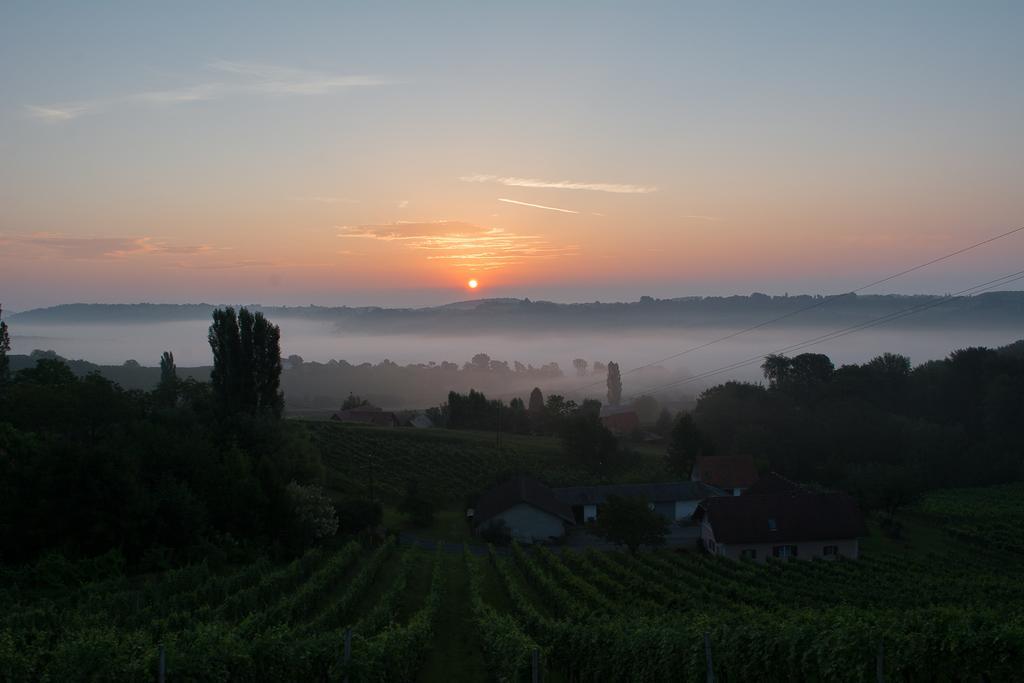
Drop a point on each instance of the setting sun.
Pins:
(473, 284)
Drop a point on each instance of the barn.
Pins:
(529, 509)
(620, 419)
(731, 473)
(675, 501)
(787, 524)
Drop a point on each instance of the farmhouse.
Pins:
(620, 419)
(367, 415)
(732, 473)
(675, 500)
(529, 509)
(793, 523)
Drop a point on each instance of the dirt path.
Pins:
(454, 654)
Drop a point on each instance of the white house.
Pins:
(528, 508)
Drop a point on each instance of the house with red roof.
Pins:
(731, 473)
(785, 524)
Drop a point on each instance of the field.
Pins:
(942, 603)
(989, 517)
(450, 465)
(590, 616)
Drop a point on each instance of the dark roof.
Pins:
(772, 482)
(798, 516)
(726, 471)
(374, 416)
(607, 411)
(654, 493)
(516, 491)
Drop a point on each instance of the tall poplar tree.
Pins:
(5, 347)
(614, 384)
(167, 390)
(246, 374)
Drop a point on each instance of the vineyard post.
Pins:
(348, 651)
(161, 664)
(535, 665)
(707, 656)
(880, 663)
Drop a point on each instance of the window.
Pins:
(831, 551)
(784, 551)
(710, 545)
(772, 526)
(749, 554)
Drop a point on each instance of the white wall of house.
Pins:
(806, 550)
(529, 524)
(685, 508)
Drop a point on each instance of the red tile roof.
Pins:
(783, 517)
(374, 417)
(726, 471)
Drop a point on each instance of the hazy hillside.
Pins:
(993, 309)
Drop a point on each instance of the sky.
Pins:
(387, 153)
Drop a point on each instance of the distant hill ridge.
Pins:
(997, 309)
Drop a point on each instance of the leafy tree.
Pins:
(588, 442)
(418, 509)
(664, 423)
(614, 384)
(598, 367)
(581, 366)
(313, 514)
(353, 402)
(558, 407)
(5, 348)
(630, 522)
(481, 361)
(246, 373)
(647, 408)
(357, 514)
(808, 372)
(472, 411)
(536, 401)
(48, 372)
(685, 444)
(167, 389)
(775, 369)
(590, 406)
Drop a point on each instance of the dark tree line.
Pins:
(883, 429)
(584, 438)
(163, 476)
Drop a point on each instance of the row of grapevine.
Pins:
(508, 651)
(395, 653)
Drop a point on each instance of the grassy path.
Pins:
(454, 654)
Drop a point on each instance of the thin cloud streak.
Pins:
(245, 79)
(511, 181)
(325, 200)
(463, 244)
(536, 206)
(50, 246)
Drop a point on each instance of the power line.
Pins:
(842, 332)
(816, 304)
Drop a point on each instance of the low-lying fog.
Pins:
(110, 344)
